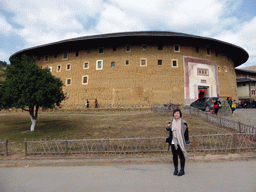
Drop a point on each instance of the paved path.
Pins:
(222, 176)
(246, 116)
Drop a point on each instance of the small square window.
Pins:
(101, 50)
(85, 80)
(127, 62)
(59, 68)
(68, 81)
(160, 62)
(50, 69)
(86, 65)
(174, 63)
(46, 58)
(143, 62)
(219, 69)
(208, 51)
(99, 64)
(68, 66)
(113, 64)
(225, 69)
(65, 55)
(144, 47)
(160, 47)
(128, 48)
(176, 48)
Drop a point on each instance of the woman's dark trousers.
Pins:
(177, 153)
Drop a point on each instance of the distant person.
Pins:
(87, 103)
(230, 102)
(96, 103)
(233, 107)
(242, 103)
(178, 138)
(216, 106)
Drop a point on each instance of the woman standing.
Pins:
(216, 106)
(178, 129)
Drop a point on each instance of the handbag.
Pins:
(168, 140)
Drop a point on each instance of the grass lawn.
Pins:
(14, 126)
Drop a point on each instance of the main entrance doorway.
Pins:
(203, 91)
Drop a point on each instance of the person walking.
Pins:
(216, 106)
(233, 107)
(96, 103)
(87, 103)
(178, 138)
(230, 102)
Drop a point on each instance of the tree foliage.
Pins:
(3, 64)
(29, 87)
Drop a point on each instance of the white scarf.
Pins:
(177, 137)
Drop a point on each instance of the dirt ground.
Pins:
(107, 160)
(107, 124)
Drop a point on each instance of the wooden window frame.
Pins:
(174, 48)
(83, 79)
(143, 59)
(97, 65)
(176, 63)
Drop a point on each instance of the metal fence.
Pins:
(199, 143)
(223, 122)
(4, 147)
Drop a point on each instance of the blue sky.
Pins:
(30, 23)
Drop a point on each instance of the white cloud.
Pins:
(46, 21)
(49, 21)
(5, 26)
(244, 36)
(113, 19)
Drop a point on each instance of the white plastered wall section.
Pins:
(196, 80)
(193, 80)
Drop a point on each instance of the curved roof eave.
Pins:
(242, 58)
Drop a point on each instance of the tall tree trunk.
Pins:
(33, 116)
(32, 128)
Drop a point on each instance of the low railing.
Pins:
(4, 147)
(223, 122)
(199, 143)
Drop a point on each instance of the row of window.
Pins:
(176, 48)
(99, 64)
(85, 79)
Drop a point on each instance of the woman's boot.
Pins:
(175, 162)
(182, 167)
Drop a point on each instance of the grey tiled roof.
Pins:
(233, 50)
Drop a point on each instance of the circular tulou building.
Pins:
(141, 69)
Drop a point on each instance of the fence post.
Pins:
(239, 127)
(234, 141)
(66, 145)
(6, 147)
(108, 145)
(26, 146)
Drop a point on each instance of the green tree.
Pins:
(29, 87)
(3, 64)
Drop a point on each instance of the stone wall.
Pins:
(133, 84)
